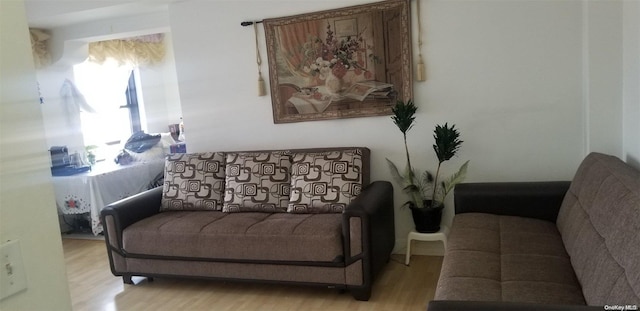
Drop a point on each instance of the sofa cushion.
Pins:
(238, 236)
(599, 222)
(193, 181)
(257, 182)
(506, 258)
(325, 182)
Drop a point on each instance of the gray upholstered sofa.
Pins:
(287, 216)
(546, 245)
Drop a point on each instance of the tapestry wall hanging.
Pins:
(342, 63)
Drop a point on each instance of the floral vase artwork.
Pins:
(330, 59)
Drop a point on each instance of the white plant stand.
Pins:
(427, 237)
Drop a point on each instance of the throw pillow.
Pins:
(325, 182)
(257, 182)
(193, 181)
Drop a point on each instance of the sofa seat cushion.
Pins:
(507, 258)
(238, 236)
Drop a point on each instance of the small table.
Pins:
(436, 236)
(107, 182)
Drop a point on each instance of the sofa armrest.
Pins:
(368, 230)
(539, 200)
(438, 305)
(374, 207)
(127, 211)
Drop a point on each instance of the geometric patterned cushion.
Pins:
(257, 182)
(325, 182)
(193, 181)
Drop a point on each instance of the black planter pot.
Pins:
(427, 219)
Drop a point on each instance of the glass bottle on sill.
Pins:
(181, 136)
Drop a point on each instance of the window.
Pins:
(110, 89)
(131, 94)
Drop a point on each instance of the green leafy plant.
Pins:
(91, 157)
(404, 118)
(446, 146)
(427, 188)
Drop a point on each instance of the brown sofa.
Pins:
(342, 250)
(546, 245)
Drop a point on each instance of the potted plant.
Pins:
(427, 192)
(91, 157)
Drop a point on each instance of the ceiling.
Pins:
(47, 14)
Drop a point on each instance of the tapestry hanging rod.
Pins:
(250, 23)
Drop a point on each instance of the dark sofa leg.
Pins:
(361, 294)
(127, 279)
(149, 279)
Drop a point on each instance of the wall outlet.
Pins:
(12, 275)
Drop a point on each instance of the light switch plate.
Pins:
(12, 275)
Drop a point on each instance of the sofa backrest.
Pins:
(228, 181)
(599, 221)
(366, 157)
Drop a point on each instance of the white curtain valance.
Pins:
(41, 56)
(136, 51)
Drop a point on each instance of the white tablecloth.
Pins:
(106, 183)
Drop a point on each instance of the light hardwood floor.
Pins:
(94, 288)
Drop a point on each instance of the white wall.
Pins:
(631, 80)
(161, 98)
(602, 75)
(532, 85)
(27, 208)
